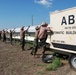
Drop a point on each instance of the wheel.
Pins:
(72, 62)
(47, 58)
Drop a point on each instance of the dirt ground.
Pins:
(14, 61)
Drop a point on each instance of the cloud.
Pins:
(46, 3)
(54, 11)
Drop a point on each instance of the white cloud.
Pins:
(46, 3)
(54, 11)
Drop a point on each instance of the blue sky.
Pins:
(17, 13)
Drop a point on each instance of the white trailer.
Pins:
(63, 24)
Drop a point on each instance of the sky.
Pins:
(18, 13)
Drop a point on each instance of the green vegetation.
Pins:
(55, 64)
(29, 43)
(41, 65)
(41, 73)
